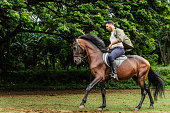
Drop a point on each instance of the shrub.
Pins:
(37, 78)
(165, 72)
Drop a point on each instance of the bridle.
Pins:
(79, 47)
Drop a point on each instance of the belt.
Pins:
(118, 47)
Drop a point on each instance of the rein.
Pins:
(90, 54)
(78, 55)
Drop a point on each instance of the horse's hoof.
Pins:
(100, 109)
(81, 106)
(136, 109)
(151, 107)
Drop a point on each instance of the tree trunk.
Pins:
(162, 51)
(168, 51)
(46, 64)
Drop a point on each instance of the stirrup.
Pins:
(114, 75)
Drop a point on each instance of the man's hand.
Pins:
(110, 46)
(115, 42)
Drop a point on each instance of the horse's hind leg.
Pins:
(143, 91)
(150, 96)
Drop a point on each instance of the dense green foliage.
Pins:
(38, 35)
(38, 79)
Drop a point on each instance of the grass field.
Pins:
(118, 101)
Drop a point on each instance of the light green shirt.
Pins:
(121, 37)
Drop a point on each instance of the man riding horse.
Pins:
(135, 67)
(119, 42)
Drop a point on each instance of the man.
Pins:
(119, 42)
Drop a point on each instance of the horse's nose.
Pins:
(75, 61)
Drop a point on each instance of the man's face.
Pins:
(109, 27)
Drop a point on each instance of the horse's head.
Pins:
(78, 52)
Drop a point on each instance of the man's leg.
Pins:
(113, 55)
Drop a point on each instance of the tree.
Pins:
(33, 32)
(143, 21)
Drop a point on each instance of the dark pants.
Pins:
(116, 53)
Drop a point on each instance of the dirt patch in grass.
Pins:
(15, 110)
(40, 92)
(63, 92)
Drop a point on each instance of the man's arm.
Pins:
(119, 35)
(115, 42)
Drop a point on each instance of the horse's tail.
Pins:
(157, 81)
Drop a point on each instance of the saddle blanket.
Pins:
(118, 60)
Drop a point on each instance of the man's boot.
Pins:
(113, 70)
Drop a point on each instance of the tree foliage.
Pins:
(38, 33)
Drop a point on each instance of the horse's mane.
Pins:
(94, 39)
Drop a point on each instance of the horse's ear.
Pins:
(74, 39)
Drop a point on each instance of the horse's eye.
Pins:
(74, 48)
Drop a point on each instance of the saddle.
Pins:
(118, 61)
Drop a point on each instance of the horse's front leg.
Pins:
(103, 96)
(90, 86)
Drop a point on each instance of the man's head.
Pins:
(109, 25)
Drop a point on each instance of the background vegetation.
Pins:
(36, 38)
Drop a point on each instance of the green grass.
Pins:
(52, 101)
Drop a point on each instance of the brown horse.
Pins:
(134, 66)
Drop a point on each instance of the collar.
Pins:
(112, 32)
